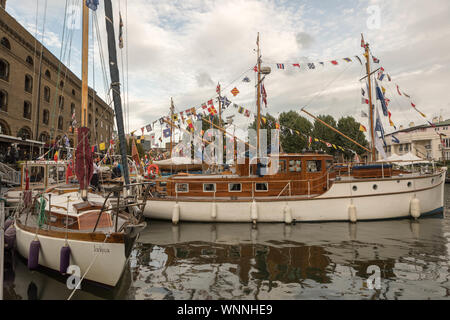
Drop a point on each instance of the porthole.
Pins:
(374, 187)
(409, 184)
(355, 188)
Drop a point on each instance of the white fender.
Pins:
(254, 211)
(214, 210)
(176, 213)
(415, 208)
(352, 213)
(287, 214)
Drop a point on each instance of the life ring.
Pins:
(153, 169)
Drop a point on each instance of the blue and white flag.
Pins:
(246, 79)
(380, 97)
(379, 127)
(92, 4)
(394, 139)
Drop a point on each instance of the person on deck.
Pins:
(94, 179)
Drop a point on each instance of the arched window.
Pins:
(4, 70)
(3, 101)
(45, 116)
(47, 74)
(28, 83)
(44, 137)
(27, 110)
(61, 102)
(47, 94)
(60, 123)
(24, 133)
(29, 60)
(4, 128)
(72, 108)
(5, 42)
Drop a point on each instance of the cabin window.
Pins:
(281, 166)
(313, 165)
(295, 165)
(262, 186)
(234, 187)
(53, 219)
(182, 187)
(209, 187)
(37, 175)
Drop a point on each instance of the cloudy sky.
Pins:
(182, 49)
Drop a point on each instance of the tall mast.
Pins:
(172, 108)
(84, 66)
(115, 85)
(220, 106)
(258, 99)
(372, 133)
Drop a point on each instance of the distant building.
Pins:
(38, 96)
(425, 141)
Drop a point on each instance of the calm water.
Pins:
(273, 261)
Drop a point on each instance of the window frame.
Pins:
(262, 183)
(233, 183)
(215, 189)
(178, 184)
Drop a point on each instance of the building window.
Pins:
(72, 108)
(28, 83)
(29, 60)
(4, 70)
(5, 43)
(61, 84)
(89, 119)
(47, 94)
(209, 187)
(45, 116)
(73, 92)
(400, 147)
(27, 110)
(90, 105)
(24, 133)
(61, 102)
(182, 187)
(4, 128)
(44, 137)
(313, 166)
(234, 187)
(261, 186)
(47, 74)
(60, 123)
(3, 101)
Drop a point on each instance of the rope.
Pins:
(88, 268)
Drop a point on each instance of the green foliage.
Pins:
(292, 143)
(321, 131)
(350, 127)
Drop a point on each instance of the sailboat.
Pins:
(78, 229)
(300, 187)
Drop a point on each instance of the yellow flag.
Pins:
(362, 128)
(102, 146)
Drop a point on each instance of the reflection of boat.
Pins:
(301, 187)
(278, 261)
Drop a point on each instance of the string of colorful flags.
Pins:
(313, 65)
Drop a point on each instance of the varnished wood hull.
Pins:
(391, 198)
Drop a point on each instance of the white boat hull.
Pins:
(391, 199)
(109, 258)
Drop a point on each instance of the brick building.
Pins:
(38, 95)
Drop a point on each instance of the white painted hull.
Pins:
(391, 199)
(107, 268)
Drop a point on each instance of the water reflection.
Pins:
(303, 261)
(271, 261)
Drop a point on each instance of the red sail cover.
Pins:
(83, 163)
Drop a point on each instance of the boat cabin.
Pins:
(282, 175)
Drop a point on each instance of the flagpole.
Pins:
(335, 130)
(171, 125)
(258, 99)
(372, 133)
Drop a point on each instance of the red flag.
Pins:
(296, 65)
(218, 88)
(255, 68)
(264, 95)
(413, 105)
(334, 62)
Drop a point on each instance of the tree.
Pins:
(293, 142)
(350, 127)
(321, 131)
